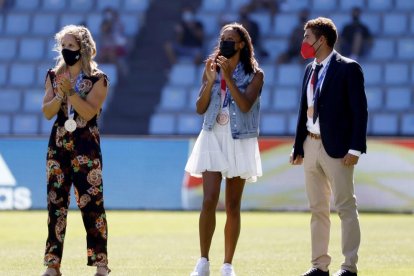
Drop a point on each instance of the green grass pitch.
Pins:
(148, 243)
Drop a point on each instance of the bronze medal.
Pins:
(222, 118)
(310, 112)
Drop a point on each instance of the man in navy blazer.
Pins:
(330, 137)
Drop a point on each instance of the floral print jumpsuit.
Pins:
(76, 158)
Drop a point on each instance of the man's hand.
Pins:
(298, 160)
(350, 160)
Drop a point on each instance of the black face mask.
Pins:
(71, 57)
(227, 48)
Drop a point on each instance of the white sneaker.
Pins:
(202, 268)
(227, 270)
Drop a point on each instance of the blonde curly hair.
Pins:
(87, 49)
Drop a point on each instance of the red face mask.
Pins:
(307, 50)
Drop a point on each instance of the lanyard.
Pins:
(71, 112)
(320, 79)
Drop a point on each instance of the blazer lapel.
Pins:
(332, 70)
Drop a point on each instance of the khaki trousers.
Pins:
(326, 175)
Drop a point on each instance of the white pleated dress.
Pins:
(217, 151)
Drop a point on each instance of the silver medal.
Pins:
(70, 125)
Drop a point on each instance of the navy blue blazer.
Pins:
(343, 110)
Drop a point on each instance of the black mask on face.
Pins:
(227, 48)
(71, 57)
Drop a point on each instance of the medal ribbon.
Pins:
(225, 95)
(71, 112)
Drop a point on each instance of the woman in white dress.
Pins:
(227, 146)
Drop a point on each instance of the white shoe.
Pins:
(227, 270)
(202, 268)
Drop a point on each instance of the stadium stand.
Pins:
(26, 50)
(388, 68)
(26, 53)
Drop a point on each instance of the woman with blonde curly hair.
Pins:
(75, 90)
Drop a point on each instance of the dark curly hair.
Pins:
(247, 58)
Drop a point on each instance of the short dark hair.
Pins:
(323, 26)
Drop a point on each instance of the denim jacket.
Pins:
(242, 124)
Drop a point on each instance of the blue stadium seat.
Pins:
(396, 73)
(395, 24)
(80, 5)
(263, 20)
(407, 124)
(46, 125)
(374, 98)
(25, 124)
(340, 20)
(412, 73)
(269, 73)
(5, 124)
(273, 124)
(93, 21)
(274, 46)
(3, 74)
(136, 5)
(162, 123)
(292, 123)
(373, 22)
(349, 4)
(54, 5)
(404, 5)
(324, 5)
(1, 23)
(71, 19)
(24, 5)
(194, 92)
(102, 4)
(406, 48)
(382, 49)
(173, 98)
(31, 49)
(131, 23)
(210, 23)
(290, 74)
(294, 5)
(17, 24)
(372, 73)
(235, 5)
(285, 99)
(50, 53)
(8, 48)
(412, 23)
(44, 24)
(380, 5)
(266, 97)
(9, 100)
(41, 70)
(284, 24)
(384, 124)
(213, 5)
(189, 123)
(32, 100)
(183, 74)
(22, 74)
(111, 71)
(398, 99)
